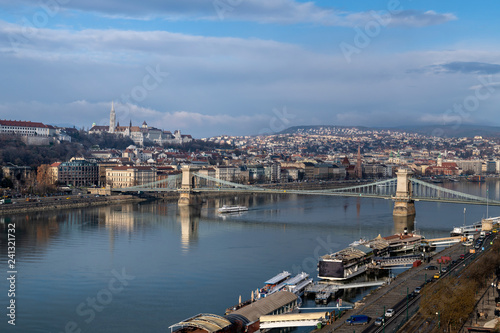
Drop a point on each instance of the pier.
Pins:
(324, 292)
(445, 241)
(293, 320)
(393, 295)
(393, 262)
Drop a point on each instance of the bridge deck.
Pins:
(385, 189)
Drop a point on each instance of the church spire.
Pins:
(112, 118)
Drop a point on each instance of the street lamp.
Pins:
(439, 319)
(465, 208)
(383, 319)
(407, 297)
(487, 198)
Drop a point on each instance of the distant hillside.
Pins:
(456, 131)
(310, 128)
(447, 131)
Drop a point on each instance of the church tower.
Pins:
(112, 119)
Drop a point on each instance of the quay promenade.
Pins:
(64, 202)
(387, 296)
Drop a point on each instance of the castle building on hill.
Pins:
(25, 128)
(140, 135)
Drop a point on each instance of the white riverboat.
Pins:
(232, 209)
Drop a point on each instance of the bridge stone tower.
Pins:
(403, 202)
(187, 196)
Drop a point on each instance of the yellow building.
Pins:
(128, 176)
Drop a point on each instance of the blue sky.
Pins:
(210, 67)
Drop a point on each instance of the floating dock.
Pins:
(322, 292)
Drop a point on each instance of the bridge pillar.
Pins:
(403, 222)
(403, 201)
(187, 196)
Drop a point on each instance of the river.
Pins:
(143, 267)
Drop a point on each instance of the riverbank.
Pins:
(65, 202)
(392, 295)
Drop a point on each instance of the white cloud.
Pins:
(261, 11)
(417, 19)
(113, 45)
(223, 85)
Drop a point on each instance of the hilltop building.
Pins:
(33, 133)
(25, 128)
(140, 135)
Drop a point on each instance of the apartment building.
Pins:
(77, 172)
(128, 176)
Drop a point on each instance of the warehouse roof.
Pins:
(208, 322)
(266, 305)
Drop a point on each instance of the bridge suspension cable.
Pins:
(420, 190)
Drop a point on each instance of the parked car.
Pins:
(358, 320)
(389, 312)
(379, 321)
(431, 268)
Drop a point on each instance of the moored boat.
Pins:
(404, 242)
(351, 261)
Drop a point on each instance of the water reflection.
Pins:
(118, 217)
(402, 222)
(188, 217)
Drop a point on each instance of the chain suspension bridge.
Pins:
(403, 189)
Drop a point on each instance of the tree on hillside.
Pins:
(44, 179)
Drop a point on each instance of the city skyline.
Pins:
(249, 67)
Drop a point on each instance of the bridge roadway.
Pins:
(385, 189)
(305, 192)
(392, 295)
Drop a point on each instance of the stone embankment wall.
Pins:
(63, 202)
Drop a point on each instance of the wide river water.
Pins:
(143, 267)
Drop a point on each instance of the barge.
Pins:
(351, 261)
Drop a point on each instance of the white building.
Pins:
(140, 135)
(25, 128)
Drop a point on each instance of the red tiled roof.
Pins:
(131, 167)
(20, 123)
